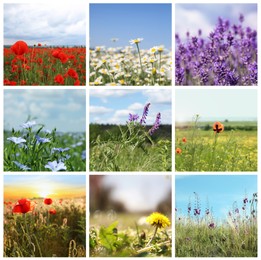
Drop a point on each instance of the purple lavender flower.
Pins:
(156, 125)
(16, 140)
(133, 117)
(22, 166)
(145, 113)
(55, 166)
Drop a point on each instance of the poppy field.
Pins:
(44, 65)
(216, 146)
(44, 228)
(35, 148)
(200, 234)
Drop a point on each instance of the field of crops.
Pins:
(35, 148)
(130, 66)
(42, 65)
(125, 235)
(199, 148)
(199, 234)
(45, 228)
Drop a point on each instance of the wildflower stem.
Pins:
(156, 229)
(139, 57)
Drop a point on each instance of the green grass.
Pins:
(204, 150)
(124, 237)
(132, 149)
(223, 241)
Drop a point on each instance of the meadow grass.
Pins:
(133, 149)
(201, 235)
(201, 149)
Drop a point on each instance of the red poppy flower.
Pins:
(23, 206)
(59, 79)
(72, 73)
(39, 44)
(77, 82)
(218, 127)
(178, 151)
(63, 57)
(52, 211)
(55, 53)
(20, 47)
(48, 201)
(184, 139)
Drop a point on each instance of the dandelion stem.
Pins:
(156, 229)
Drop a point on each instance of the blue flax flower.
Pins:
(60, 150)
(41, 140)
(21, 166)
(16, 140)
(55, 166)
(83, 155)
(28, 124)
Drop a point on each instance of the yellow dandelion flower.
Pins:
(158, 220)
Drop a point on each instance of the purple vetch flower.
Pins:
(211, 225)
(28, 124)
(145, 113)
(41, 140)
(21, 166)
(156, 125)
(55, 166)
(133, 117)
(197, 212)
(16, 140)
(245, 200)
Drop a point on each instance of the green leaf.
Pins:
(107, 237)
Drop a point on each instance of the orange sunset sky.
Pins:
(68, 186)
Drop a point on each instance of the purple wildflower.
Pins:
(211, 225)
(196, 212)
(245, 200)
(60, 150)
(145, 113)
(156, 125)
(133, 117)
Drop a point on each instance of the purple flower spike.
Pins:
(145, 113)
(133, 117)
(156, 125)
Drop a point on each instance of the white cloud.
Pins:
(96, 110)
(136, 106)
(191, 21)
(52, 23)
(163, 96)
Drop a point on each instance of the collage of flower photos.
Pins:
(129, 129)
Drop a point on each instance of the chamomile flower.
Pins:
(136, 41)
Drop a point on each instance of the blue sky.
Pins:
(114, 106)
(139, 193)
(221, 191)
(50, 23)
(63, 109)
(216, 104)
(129, 21)
(192, 17)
